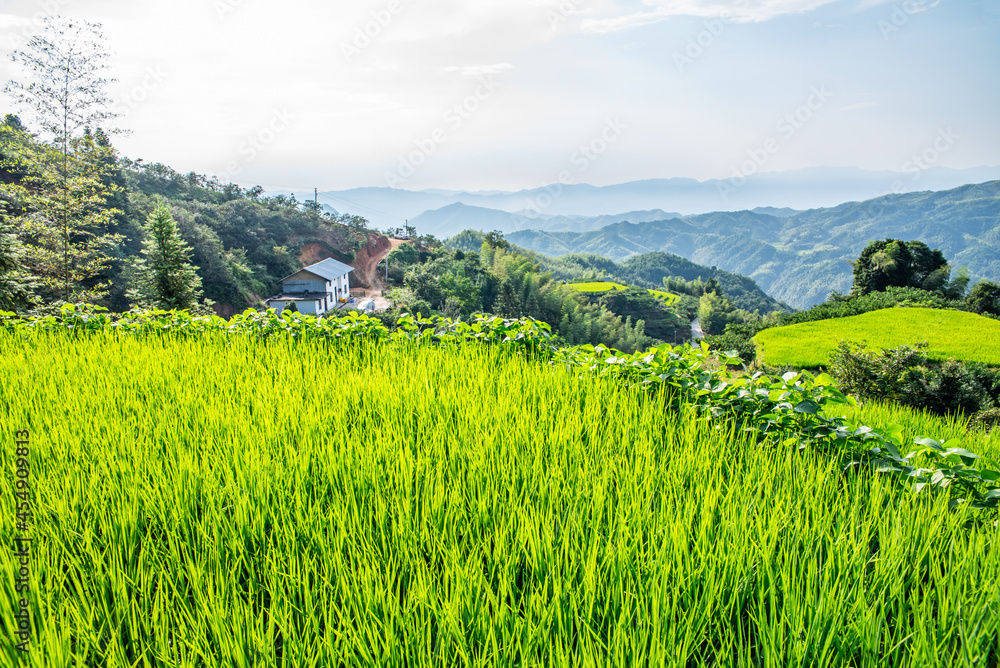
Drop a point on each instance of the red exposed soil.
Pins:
(365, 260)
(313, 253)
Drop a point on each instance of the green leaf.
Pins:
(930, 443)
(824, 379)
(894, 433)
(808, 406)
(966, 456)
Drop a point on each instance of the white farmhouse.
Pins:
(315, 289)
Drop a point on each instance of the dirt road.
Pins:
(366, 265)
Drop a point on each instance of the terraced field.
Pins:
(604, 286)
(949, 334)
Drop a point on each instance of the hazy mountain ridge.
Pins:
(798, 189)
(452, 219)
(799, 259)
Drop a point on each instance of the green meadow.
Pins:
(604, 286)
(214, 500)
(949, 334)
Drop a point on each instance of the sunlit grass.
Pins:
(949, 334)
(604, 286)
(217, 502)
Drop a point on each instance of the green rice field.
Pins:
(604, 286)
(216, 500)
(949, 334)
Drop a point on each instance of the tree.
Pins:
(404, 254)
(984, 298)
(164, 276)
(15, 290)
(495, 239)
(714, 313)
(64, 218)
(893, 262)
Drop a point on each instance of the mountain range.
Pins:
(454, 218)
(800, 258)
(800, 189)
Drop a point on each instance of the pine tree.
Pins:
(163, 275)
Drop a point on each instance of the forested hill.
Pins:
(648, 270)
(242, 243)
(800, 259)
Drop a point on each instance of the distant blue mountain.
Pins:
(801, 189)
(799, 259)
(452, 219)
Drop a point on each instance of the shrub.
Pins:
(738, 337)
(873, 375)
(985, 421)
(904, 375)
(948, 388)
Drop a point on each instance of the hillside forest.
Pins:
(148, 225)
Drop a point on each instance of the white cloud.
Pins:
(741, 11)
(479, 70)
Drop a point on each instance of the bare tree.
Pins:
(66, 62)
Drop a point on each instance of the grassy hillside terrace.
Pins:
(604, 286)
(948, 333)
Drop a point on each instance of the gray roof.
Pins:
(298, 297)
(329, 269)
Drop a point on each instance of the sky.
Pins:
(512, 94)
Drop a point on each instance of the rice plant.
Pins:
(221, 500)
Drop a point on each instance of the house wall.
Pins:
(310, 307)
(337, 289)
(300, 285)
(343, 284)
